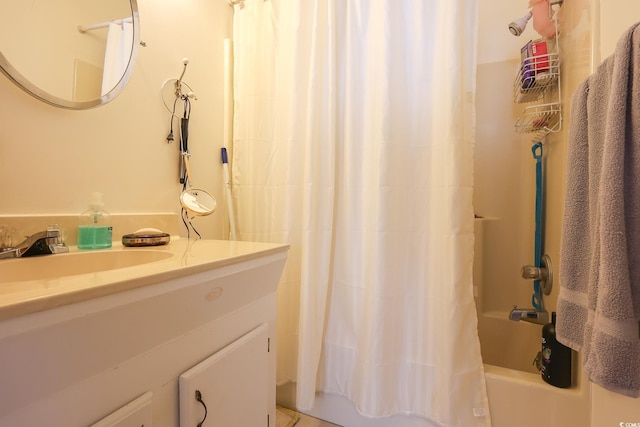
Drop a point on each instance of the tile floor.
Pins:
(289, 418)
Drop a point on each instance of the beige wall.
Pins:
(51, 159)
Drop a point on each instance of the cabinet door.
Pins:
(230, 387)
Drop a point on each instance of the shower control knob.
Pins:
(544, 274)
(531, 272)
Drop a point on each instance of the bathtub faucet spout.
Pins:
(531, 315)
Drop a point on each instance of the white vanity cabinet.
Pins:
(76, 364)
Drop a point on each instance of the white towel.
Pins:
(117, 54)
(599, 302)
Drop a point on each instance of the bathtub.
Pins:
(522, 399)
(518, 397)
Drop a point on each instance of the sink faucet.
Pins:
(41, 243)
(531, 315)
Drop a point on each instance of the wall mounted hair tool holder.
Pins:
(176, 96)
(176, 93)
(172, 102)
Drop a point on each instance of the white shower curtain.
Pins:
(353, 141)
(117, 54)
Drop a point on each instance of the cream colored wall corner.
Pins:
(51, 159)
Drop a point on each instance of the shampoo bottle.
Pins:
(556, 358)
(94, 229)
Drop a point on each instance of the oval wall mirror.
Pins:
(70, 53)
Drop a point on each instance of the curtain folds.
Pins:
(353, 142)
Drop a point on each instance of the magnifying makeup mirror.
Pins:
(196, 201)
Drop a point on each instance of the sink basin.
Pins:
(70, 264)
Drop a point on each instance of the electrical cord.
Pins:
(170, 138)
(189, 225)
(184, 178)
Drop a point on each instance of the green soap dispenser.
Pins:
(94, 229)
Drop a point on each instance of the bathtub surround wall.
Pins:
(503, 196)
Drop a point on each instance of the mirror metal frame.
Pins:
(33, 90)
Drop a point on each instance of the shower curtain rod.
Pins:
(85, 28)
(240, 3)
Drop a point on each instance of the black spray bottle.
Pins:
(556, 358)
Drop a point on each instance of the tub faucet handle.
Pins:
(55, 239)
(531, 272)
(544, 274)
(530, 315)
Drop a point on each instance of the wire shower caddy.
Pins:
(538, 81)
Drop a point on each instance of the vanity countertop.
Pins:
(182, 257)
